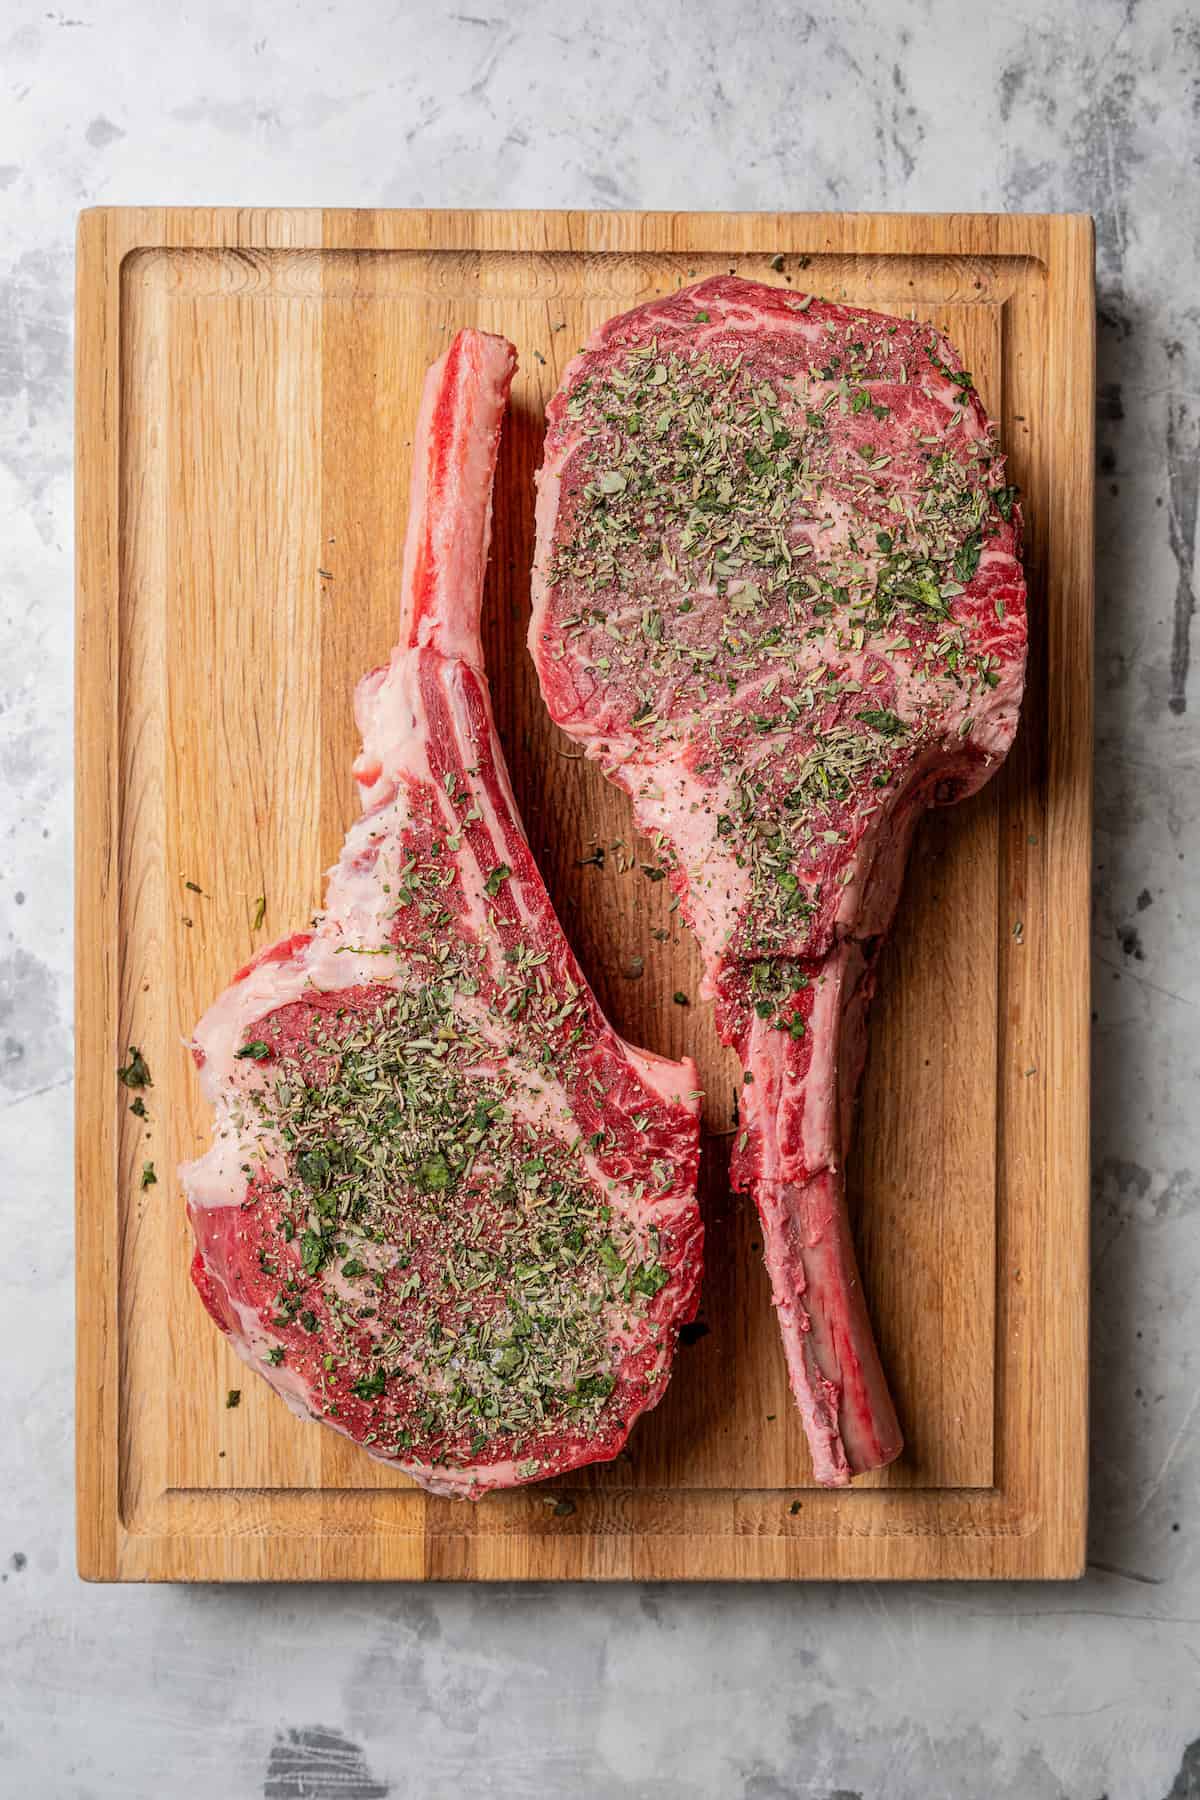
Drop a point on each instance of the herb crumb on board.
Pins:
(136, 1072)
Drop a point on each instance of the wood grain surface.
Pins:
(247, 391)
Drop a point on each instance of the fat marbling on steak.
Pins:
(446, 1209)
(777, 596)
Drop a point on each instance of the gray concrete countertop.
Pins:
(910, 1693)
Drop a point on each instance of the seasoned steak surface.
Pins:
(447, 1210)
(778, 597)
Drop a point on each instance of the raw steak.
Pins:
(446, 1210)
(777, 595)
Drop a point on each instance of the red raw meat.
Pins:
(778, 596)
(447, 1210)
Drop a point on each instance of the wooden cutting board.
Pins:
(247, 390)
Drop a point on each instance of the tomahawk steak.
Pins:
(447, 1210)
(777, 595)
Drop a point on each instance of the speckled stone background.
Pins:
(875, 1693)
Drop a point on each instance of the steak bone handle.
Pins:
(804, 1061)
(833, 1365)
